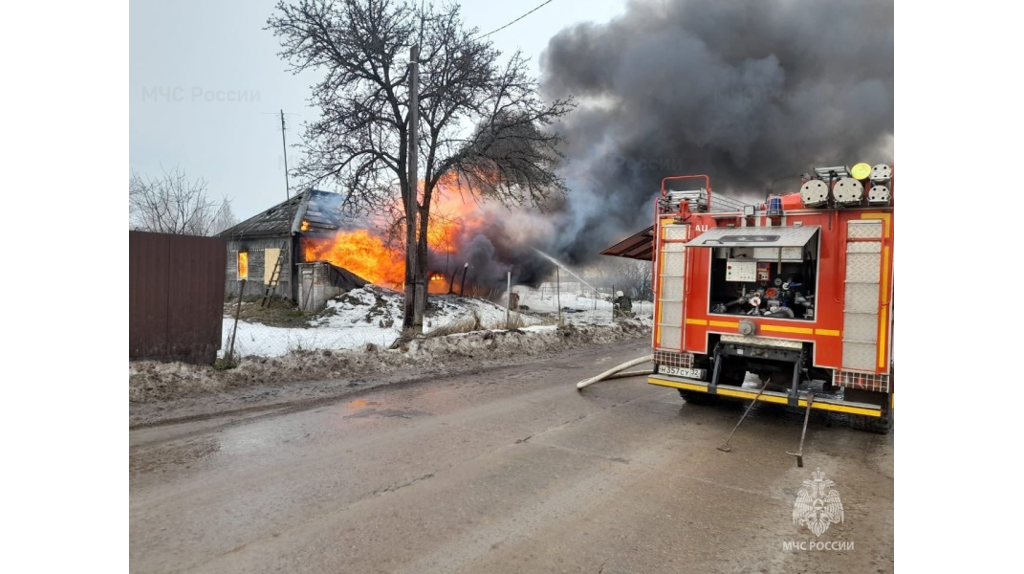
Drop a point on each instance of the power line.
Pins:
(514, 21)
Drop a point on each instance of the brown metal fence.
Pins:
(175, 296)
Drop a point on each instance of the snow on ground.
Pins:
(373, 315)
(356, 343)
(164, 392)
(580, 303)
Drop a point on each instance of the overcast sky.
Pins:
(206, 84)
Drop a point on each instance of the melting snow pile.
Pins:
(356, 342)
(372, 315)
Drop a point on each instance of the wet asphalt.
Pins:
(508, 470)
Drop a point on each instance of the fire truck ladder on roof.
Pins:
(275, 277)
(701, 201)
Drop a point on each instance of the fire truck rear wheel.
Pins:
(732, 374)
(878, 425)
(698, 398)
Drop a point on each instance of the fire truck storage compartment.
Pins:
(762, 271)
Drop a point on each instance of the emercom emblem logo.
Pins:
(817, 505)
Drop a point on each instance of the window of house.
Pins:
(243, 265)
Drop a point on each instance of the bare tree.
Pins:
(225, 217)
(173, 203)
(636, 278)
(480, 119)
(631, 276)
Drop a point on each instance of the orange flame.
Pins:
(454, 212)
(438, 283)
(243, 264)
(361, 253)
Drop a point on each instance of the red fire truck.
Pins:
(797, 291)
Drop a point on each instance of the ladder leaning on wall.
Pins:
(275, 277)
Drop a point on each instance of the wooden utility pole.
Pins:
(419, 272)
(284, 146)
(234, 330)
(410, 319)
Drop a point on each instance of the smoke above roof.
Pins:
(748, 92)
(745, 91)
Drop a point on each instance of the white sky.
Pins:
(205, 85)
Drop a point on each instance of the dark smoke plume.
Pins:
(745, 91)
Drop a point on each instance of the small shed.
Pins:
(320, 281)
(267, 249)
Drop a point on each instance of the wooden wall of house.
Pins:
(262, 257)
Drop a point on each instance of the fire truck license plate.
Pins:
(682, 372)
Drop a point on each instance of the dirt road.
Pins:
(509, 470)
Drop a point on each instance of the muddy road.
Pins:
(508, 470)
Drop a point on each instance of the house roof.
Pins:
(318, 209)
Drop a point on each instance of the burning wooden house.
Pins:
(269, 251)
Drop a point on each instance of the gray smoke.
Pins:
(745, 91)
(748, 92)
(503, 243)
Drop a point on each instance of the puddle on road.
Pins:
(361, 403)
(397, 413)
(362, 408)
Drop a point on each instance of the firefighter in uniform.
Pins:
(623, 306)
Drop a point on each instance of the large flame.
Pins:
(362, 253)
(454, 214)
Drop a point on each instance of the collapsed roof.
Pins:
(319, 209)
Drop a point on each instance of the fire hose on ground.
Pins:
(616, 372)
